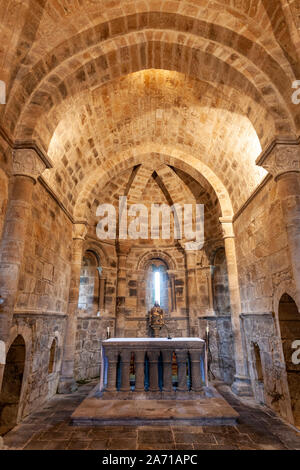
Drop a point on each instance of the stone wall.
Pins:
(39, 331)
(42, 299)
(90, 332)
(264, 269)
(45, 272)
(262, 251)
(221, 347)
(272, 389)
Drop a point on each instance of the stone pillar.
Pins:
(67, 382)
(241, 384)
(282, 161)
(123, 250)
(167, 356)
(27, 166)
(153, 370)
(195, 370)
(125, 370)
(171, 287)
(192, 296)
(141, 291)
(181, 356)
(102, 282)
(209, 276)
(139, 361)
(112, 357)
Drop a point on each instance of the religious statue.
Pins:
(156, 318)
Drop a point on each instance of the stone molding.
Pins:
(26, 162)
(28, 145)
(227, 227)
(282, 156)
(79, 231)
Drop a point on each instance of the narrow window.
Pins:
(157, 287)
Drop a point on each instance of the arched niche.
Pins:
(289, 322)
(89, 290)
(12, 385)
(52, 357)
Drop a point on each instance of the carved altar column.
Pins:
(139, 361)
(112, 358)
(27, 166)
(123, 251)
(197, 383)
(125, 370)
(67, 382)
(153, 370)
(167, 355)
(282, 161)
(181, 356)
(192, 293)
(241, 385)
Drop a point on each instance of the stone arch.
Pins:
(252, 59)
(146, 258)
(99, 252)
(58, 340)
(26, 333)
(167, 155)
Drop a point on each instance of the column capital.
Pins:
(79, 231)
(26, 162)
(227, 227)
(281, 157)
(123, 248)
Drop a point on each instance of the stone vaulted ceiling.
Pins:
(103, 87)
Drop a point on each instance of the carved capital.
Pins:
(227, 227)
(26, 162)
(79, 231)
(281, 157)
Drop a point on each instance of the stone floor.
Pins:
(258, 428)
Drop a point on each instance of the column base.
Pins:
(67, 385)
(242, 386)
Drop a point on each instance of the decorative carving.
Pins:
(26, 162)
(284, 158)
(79, 231)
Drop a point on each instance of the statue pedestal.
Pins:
(156, 330)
